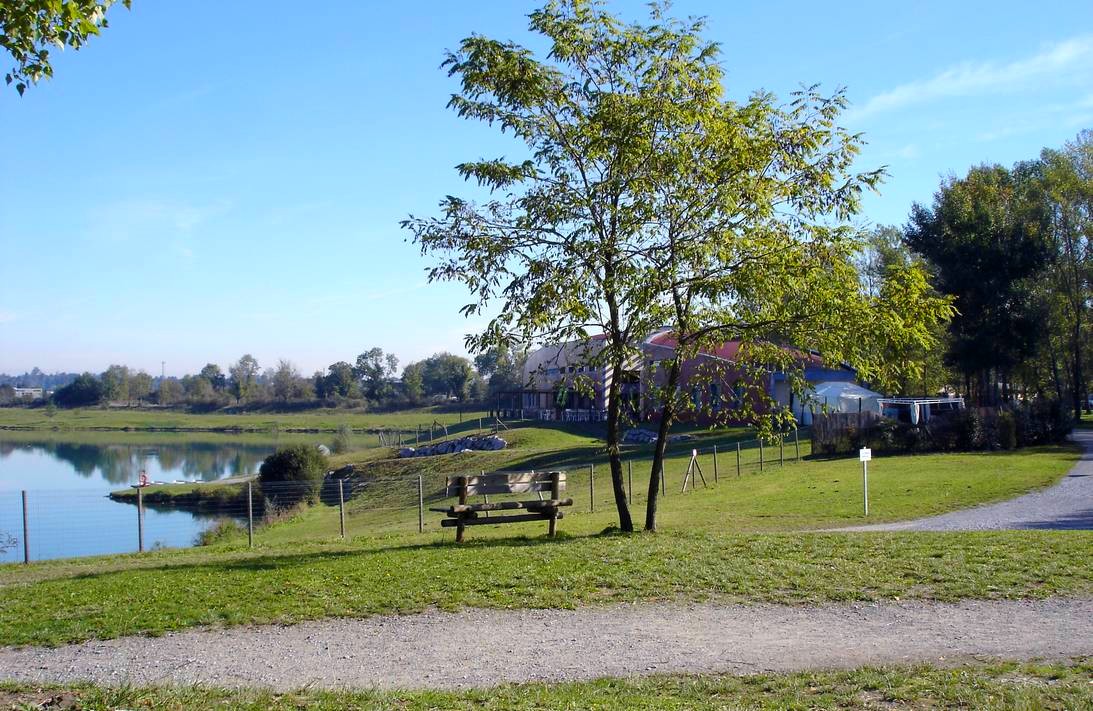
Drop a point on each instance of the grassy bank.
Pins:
(982, 686)
(64, 601)
(319, 420)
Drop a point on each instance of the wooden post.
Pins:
(781, 452)
(462, 502)
(630, 480)
(420, 505)
(341, 506)
(26, 530)
(431, 435)
(715, 464)
(555, 494)
(479, 425)
(417, 442)
(760, 454)
(485, 497)
(737, 459)
(140, 519)
(592, 486)
(797, 444)
(250, 514)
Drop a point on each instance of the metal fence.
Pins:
(47, 524)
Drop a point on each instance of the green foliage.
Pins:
(83, 391)
(375, 369)
(343, 440)
(115, 383)
(651, 200)
(292, 475)
(986, 238)
(223, 531)
(29, 28)
(244, 374)
(212, 374)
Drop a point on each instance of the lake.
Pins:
(67, 476)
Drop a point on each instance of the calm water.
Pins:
(67, 479)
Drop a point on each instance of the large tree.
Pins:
(29, 29)
(551, 249)
(647, 199)
(375, 369)
(1068, 185)
(986, 239)
(244, 375)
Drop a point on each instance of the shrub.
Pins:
(223, 530)
(292, 475)
(342, 440)
(1007, 430)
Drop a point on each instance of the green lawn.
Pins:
(986, 686)
(63, 601)
(810, 494)
(324, 419)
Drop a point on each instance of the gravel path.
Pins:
(486, 647)
(1067, 505)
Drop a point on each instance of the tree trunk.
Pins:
(614, 437)
(1079, 385)
(657, 470)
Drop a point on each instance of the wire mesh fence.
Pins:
(47, 524)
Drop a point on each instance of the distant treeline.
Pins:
(371, 381)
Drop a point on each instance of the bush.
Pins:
(292, 475)
(342, 440)
(225, 529)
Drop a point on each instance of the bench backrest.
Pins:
(506, 483)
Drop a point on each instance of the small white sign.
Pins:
(865, 454)
(694, 452)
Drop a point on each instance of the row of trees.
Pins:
(372, 380)
(1012, 248)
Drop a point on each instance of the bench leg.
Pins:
(553, 525)
(459, 532)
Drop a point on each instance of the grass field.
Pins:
(64, 601)
(720, 542)
(986, 686)
(325, 419)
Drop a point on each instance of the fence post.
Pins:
(781, 452)
(417, 441)
(630, 480)
(140, 519)
(479, 424)
(738, 459)
(26, 531)
(250, 514)
(761, 454)
(715, 464)
(431, 435)
(797, 444)
(341, 506)
(420, 505)
(592, 486)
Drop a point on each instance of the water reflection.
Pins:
(122, 463)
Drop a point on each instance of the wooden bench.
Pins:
(463, 514)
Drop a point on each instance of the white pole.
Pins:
(865, 484)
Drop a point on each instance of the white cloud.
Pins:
(1073, 57)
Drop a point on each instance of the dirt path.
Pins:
(1067, 505)
(487, 647)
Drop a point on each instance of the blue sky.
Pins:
(208, 179)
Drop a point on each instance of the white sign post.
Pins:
(865, 455)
